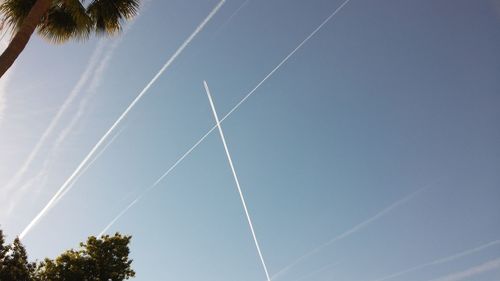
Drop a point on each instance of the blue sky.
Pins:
(380, 135)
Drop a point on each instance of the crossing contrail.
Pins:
(235, 176)
(441, 260)
(195, 145)
(198, 29)
(349, 232)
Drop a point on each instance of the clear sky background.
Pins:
(391, 102)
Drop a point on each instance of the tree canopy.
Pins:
(98, 259)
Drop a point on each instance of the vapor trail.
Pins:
(235, 176)
(476, 270)
(441, 260)
(319, 270)
(232, 16)
(286, 59)
(195, 145)
(349, 232)
(138, 198)
(120, 118)
(120, 215)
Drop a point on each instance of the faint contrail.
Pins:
(91, 90)
(476, 270)
(95, 73)
(95, 79)
(42, 175)
(319, 270)
(349, 232)
(225, 23)
(94, 59)
(14, 195)
(235, 176)
(120, 118)
(440, 261)
(119, 215)
(195, 145)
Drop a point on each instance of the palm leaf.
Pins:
(109, 15)
(15, 11)
(66, 19)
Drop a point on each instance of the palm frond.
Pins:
(15, 11)
(66, 19)
(109, 15)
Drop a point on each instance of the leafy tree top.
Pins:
(97, 259)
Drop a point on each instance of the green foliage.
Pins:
(71, 19)
(97, 259)
(14, 263)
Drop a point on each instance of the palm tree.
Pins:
(60, 20)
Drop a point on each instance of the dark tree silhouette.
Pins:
(14, 263)
(97, 259)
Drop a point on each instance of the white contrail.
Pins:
(349, 232)
(195, 145)
(235, 176)
(120, 118)
(476, 270)
(286, 58)
(441, 260)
